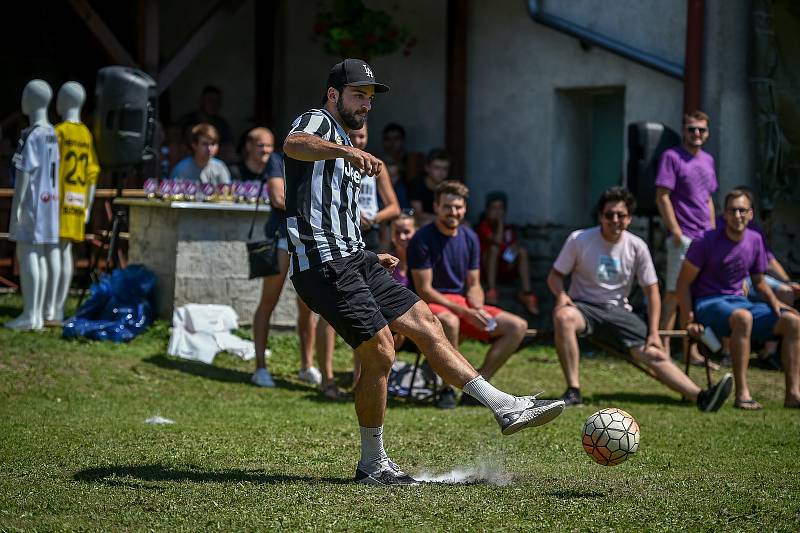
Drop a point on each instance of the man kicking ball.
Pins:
(352, 288)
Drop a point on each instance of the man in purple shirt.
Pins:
(444, 258)
(712, 276)
(684, 184)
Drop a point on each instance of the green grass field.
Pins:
(75, 452)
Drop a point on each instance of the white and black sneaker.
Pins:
(527, 411)
(389, 474)
(711, 399)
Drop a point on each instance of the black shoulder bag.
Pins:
(262, 256)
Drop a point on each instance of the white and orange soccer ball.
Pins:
(610, 436)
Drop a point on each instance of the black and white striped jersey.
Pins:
(322, 215)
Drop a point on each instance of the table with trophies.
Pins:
(193, 236)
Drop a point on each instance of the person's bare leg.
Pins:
(669, 313)
(451, 326)
(785, 294)
(492, 257)
(567, 323)
(524, 270)
(741, 323)
(419, 325)
(270, 293)
(377, 356)
(788, 327)
(504, 341)
(326, 341)
(306, 326)
(666, 371)
(357, 366)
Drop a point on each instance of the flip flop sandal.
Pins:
(748, 405)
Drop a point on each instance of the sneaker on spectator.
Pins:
(468, 401)
(447, 399)
(711, 399)
(310, 375)
(573, 397)
(262, 378)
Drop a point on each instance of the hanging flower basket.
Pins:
(350, 29)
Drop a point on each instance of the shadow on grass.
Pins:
(217, 373)
(636, 397)
(10, 311)
(577, 494)
(120, 475)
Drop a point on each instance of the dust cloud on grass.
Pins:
(484, 473)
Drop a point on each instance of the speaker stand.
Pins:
(110, 240)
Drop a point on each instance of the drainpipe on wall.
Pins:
(693, 77)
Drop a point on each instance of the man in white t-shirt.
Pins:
(602, 262)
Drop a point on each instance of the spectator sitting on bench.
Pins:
(778, 280)
(501, 255)
(712, 277)
(444, 258)
(602, 262)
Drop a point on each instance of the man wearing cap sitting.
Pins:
(352, 288)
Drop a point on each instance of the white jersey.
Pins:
(37, 155)
(368, 197)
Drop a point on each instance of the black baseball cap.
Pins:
(355, 73)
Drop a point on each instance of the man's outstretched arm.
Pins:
(307, 147)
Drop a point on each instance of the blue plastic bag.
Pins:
(118, 309)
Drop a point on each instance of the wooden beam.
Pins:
(198, 39)
(148, 36)
(456, 86)
(102, 33)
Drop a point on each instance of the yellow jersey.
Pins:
(78, 172)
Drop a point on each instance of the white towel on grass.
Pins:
(201, 331)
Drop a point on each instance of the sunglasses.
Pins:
(696, 129)
(611, 215)
(738, 211)
(408, 212)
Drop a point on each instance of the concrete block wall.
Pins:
(200, 256)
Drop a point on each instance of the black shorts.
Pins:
(372, 238)
(355, 294)
(612, 325)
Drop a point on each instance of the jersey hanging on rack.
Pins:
(37, 156)
(79, 169)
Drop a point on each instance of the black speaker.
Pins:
(646, 142)
(125, 116)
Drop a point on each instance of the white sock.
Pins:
(484, 392)
(372, 451)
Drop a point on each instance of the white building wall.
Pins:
(515, 134)
(226, 62)
(517, 68)
(418, 81)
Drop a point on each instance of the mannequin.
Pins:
(34, 209)
(77, 180)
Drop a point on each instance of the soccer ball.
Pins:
(610, 436)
